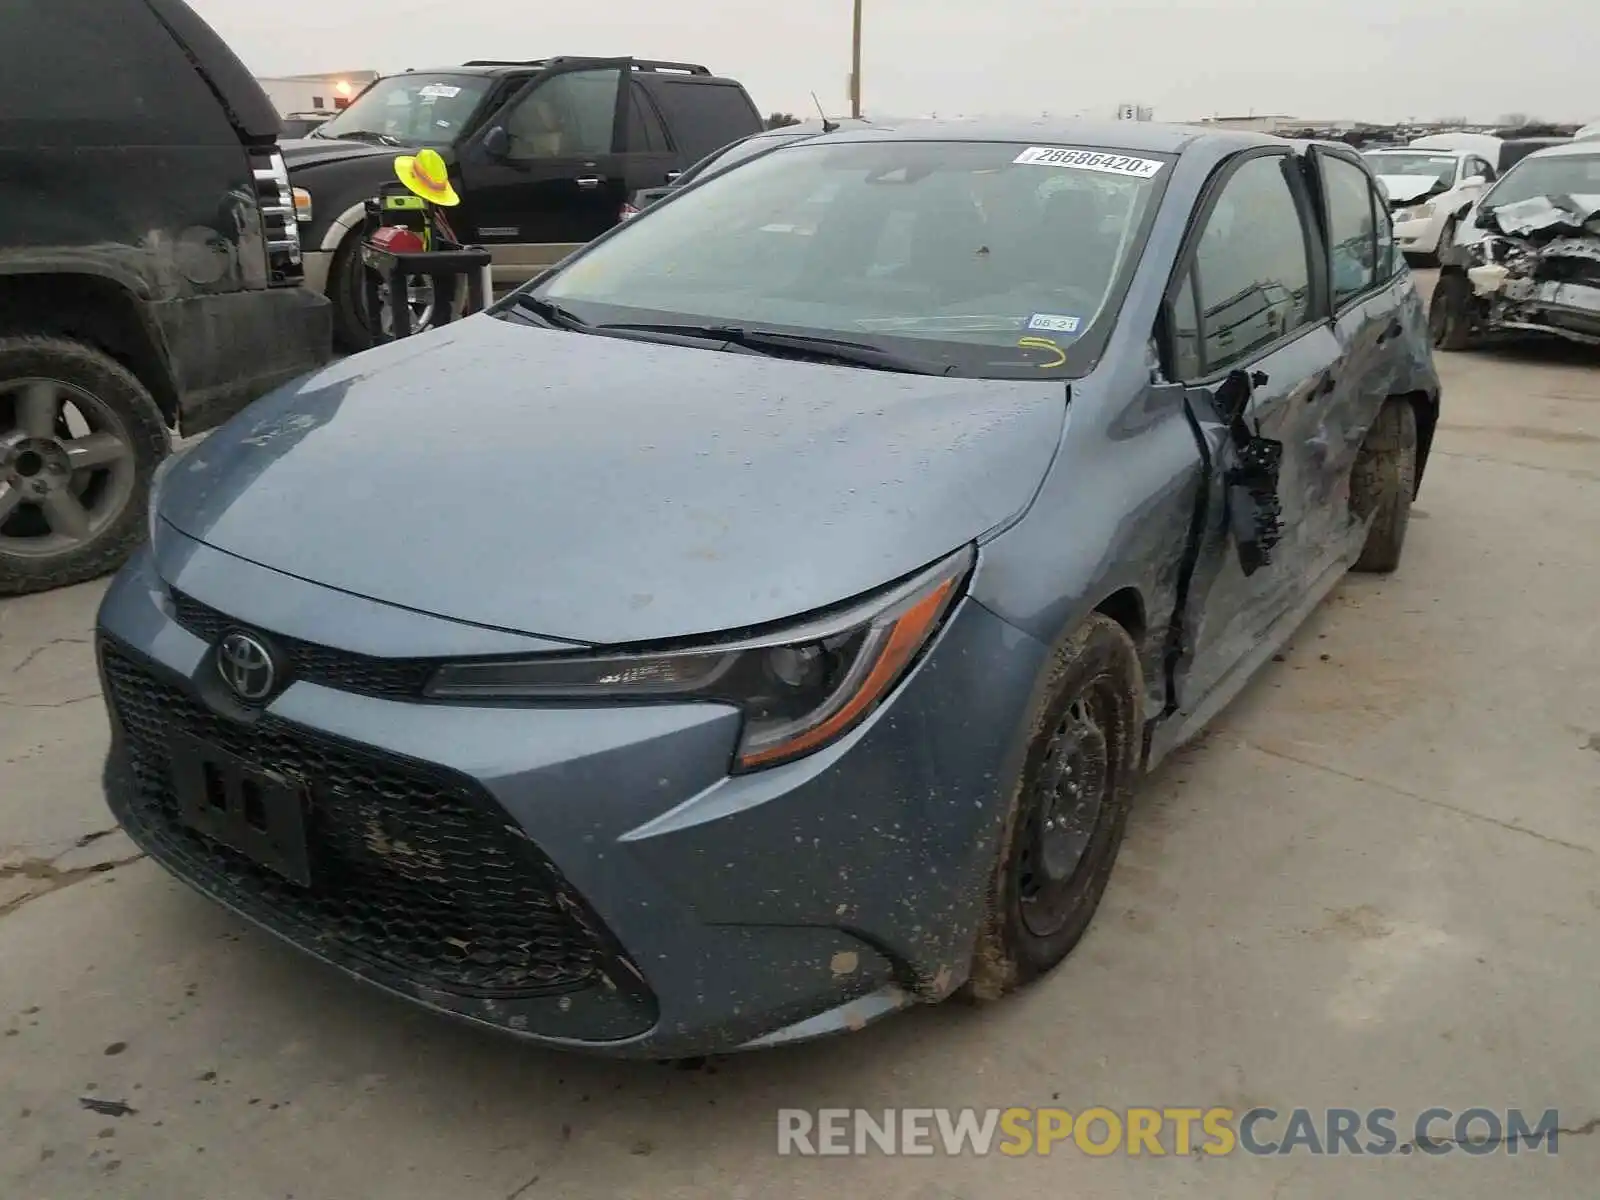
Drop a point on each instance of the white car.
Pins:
(1427, 189)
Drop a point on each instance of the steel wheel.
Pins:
(67, 467)
(1069, 795)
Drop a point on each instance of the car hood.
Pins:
(1404, 188)
(607, 491)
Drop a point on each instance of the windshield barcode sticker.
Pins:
(440, 91)
(1089, 160)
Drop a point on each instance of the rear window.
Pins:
(100, 73)
(987, 258)
(705, 116)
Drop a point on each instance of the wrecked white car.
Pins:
(1527, 259)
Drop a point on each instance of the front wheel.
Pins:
(80, 438)
(353, 326)
(1447, 235)
(1068, 810)
(1450, 313)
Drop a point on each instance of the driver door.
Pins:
(545, 174)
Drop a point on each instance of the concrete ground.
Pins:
(1373, 884)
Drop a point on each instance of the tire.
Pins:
(1095, 674)
(1450, 313)
(1382, 484)
(352, 331)
(346, 279)
(61, 523)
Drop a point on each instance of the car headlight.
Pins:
(1421, 212)
(799, 689)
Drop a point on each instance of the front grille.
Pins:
(413, 868)
(279, 226)
(389, 678)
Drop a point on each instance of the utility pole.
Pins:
(855, 63)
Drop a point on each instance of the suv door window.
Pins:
(1476, 166)
(571, 115)
(1352, 232)
(77, 74)
(1253, 265)
(645, 132)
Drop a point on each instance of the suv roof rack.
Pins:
(638, 64)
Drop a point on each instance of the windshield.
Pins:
(1440, 167)
(985, 258)
(410, 110)
(1558, 175)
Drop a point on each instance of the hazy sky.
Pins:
(1323, 59)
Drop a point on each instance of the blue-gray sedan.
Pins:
(760, 622)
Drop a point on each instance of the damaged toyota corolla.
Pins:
(1528, 262)
(759, 623)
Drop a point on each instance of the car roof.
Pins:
(1149, 136)
(499, 67)
(1586, 146)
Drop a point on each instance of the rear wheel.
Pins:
(1382, 484)
(80, 438)
(1069, 810)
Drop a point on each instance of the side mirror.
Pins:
(1474, 181)
(497, 142)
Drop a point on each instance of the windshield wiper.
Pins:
(367, 135)
(823, 349)
(547, 311)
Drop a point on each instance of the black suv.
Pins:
(544, 154)
(150, 269)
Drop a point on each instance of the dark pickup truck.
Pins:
(544, 154)
(150, 268)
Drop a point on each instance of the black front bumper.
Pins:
(228, 349)
(420, 882)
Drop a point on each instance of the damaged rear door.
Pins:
(1249, 337)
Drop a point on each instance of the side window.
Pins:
(1389, 260)
(101, 73)
(1186, 362)
(704, 116)
(565, 117)
(1252, 266)
(1352, 233)
(1476, 166)
(645, 134)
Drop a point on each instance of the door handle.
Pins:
(1325, 386)
(673, 175)
(588, 182)
(1394, 331)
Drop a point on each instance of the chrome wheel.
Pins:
(419, 295)
(67, 467)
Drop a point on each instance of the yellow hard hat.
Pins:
(428, 177)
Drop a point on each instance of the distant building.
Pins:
(315, 93)
(1275, 123)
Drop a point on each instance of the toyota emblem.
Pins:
(246, 666)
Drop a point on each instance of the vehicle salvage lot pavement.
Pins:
(1373, 884)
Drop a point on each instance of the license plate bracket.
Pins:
(257, 812)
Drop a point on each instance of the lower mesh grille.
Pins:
(413, 868)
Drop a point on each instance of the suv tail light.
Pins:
(275, 199)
